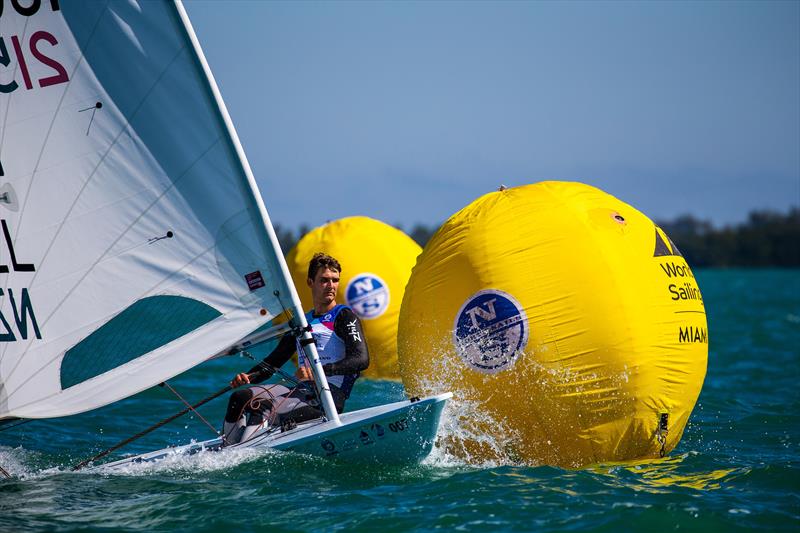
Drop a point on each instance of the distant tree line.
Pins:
(767, 238)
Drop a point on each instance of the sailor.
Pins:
(342, 350)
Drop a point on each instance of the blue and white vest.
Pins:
(329, 346)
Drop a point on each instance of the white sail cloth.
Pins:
(125, 203)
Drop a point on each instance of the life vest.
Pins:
(330, 347)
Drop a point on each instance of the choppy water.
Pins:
(736, 468)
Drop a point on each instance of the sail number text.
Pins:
(29, 10)
(37, 49)
(22, 313)
(399, 425)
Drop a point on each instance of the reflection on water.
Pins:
(655, 475)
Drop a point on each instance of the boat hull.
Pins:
(397, 433)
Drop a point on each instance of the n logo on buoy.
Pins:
(491, 330)
(368, 295)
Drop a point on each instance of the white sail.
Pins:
(132, 244)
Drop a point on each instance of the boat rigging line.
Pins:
(288, 377)
(187, 404)
(150, 429)
(298, 332)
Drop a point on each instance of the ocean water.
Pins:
(737, 467)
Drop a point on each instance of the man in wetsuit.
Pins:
(342, 351)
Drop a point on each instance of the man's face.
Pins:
(324, 287)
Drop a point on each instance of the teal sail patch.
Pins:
(141, 328)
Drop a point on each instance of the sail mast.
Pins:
(306, 340)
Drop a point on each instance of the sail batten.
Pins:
(138, 213)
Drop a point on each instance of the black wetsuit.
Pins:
(339, 338)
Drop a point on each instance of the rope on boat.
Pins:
(151, 428)
(254, 403)
(187, 404)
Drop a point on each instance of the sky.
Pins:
(408, 111)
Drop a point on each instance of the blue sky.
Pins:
(408, 111)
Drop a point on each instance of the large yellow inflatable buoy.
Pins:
(376, 262)
(565, 322)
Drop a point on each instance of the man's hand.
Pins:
(240, 380)
(304, 374)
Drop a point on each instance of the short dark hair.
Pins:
(322, 260)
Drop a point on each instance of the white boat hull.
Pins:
(395, 433)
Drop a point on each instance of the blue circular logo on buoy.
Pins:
(368, 295)
(491, 330)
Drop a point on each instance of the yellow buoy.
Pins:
(567, 317)
(376, 262)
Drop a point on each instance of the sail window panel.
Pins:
(141, 328)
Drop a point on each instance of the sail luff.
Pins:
(310, 348)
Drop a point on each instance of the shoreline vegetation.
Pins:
(766, 239)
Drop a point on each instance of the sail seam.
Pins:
(100, 259)
(101, 162)
(53, 121)
(83, 188)
(188, 267)
(39, 399)
(183, 267)
(2, 144)
(44, 146)
(11, 95)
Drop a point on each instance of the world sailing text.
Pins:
(686, 292)
(684, 288)
(673, 270)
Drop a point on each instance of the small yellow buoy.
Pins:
(376, 262)
(567, 317)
